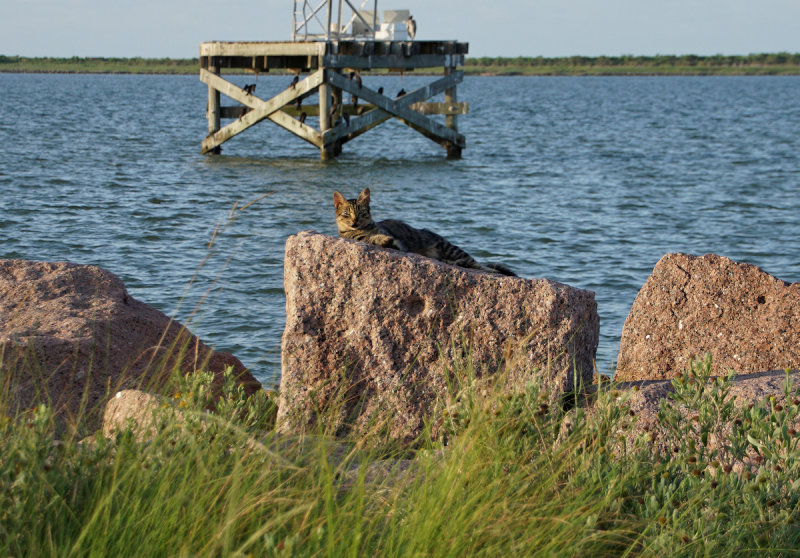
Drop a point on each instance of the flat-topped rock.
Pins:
(383, 330)
(71, 335)
(747, 319)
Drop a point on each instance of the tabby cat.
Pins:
(354, 220)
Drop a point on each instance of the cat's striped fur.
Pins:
(354, 220)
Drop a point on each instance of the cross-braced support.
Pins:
(338, 122)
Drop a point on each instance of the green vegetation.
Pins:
(97, 65)
(518, 476)
(782, 63)
(753, 64)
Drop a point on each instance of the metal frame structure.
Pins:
(307, 25)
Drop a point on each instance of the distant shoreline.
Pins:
(666, 65)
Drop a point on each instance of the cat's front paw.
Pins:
(383, 240)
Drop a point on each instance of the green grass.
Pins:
(782, 63)
(519, 476)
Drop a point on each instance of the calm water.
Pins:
(587, 181)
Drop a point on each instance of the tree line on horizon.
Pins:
(781, 63)
(135, 60)
(717, 60)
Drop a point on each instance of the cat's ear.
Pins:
(364, 195)
(338, 199)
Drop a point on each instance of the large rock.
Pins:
(747, 319)
(377, 333)
(71, 335)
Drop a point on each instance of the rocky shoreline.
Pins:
(380, 334)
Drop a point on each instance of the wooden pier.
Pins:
(329, 69)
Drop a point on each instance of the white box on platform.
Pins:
(392, 32)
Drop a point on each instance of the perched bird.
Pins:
(249, 89)
(346, 117)
(294, 82)
(354, 99)
(302, 117)
(380, 90)
(401, 92)
(412, 27)
(357, 77)
(299, 103)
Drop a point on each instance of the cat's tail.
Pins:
(500, 268)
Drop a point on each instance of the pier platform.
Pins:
(324, 71)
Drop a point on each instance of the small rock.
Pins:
(135, 408)
(644, 399)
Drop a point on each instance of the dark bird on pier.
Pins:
(299, 103)
(412, 27)
(358, 80)
(352, 75)
(250, 89)
(401, 92)
(302, 117)
(346, 117)
(355, 102)
(294, 82)
(380, 90)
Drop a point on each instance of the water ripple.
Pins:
(588, 181)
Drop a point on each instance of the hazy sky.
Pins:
(175, 28)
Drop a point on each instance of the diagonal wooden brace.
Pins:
(262, 109)
(372, 118)
(398, 108)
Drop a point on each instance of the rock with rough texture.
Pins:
(644, 399)
(377, 333)
(71, 335)
(133, 408)
(689, 306)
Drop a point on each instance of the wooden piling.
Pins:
(213, 110)
(451, 120)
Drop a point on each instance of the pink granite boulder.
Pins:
(747, 319)
(71, 336)
(380, 335)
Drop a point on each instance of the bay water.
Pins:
(585, 180)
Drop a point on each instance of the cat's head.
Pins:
(352, 214)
